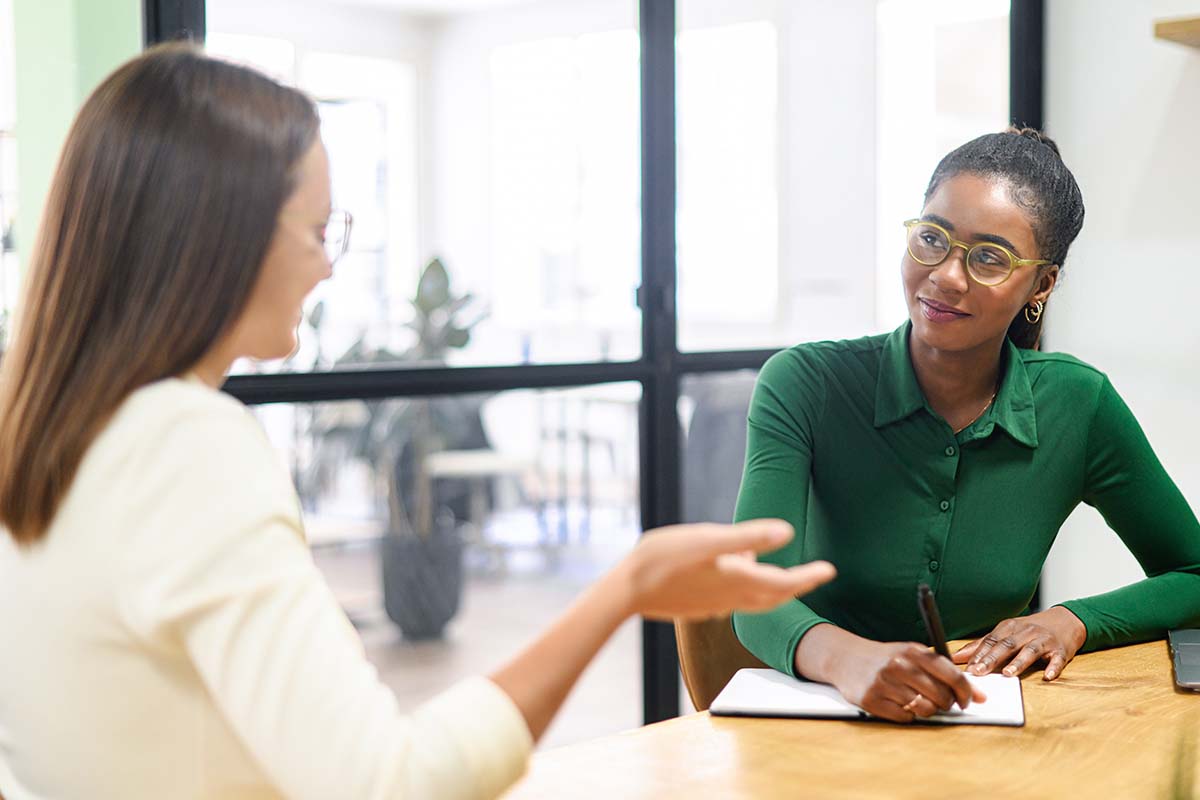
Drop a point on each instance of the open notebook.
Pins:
(767, 693)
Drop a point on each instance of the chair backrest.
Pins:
(709, 655)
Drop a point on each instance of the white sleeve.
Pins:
(226, 575)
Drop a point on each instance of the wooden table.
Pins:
(1111, 726)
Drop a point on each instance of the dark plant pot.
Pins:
(423, 580)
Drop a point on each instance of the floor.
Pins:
(502, 610)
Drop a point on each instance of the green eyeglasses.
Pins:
(988, 264)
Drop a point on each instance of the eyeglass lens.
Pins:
(929, 245)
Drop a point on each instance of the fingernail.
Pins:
(1009, 671)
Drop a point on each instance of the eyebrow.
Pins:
(982, 237)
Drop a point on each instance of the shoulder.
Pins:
(174, 431)
(824, 358)
(175, 410)
(1063, 373)
(799, 380)
(176, 400)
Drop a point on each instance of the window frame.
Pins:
(662, 365)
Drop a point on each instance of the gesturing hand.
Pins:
(707, 569)
(1054, 635)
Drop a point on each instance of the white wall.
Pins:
(315, 25)
(457, 190)
(827, 112)
(1125, 109)
(828, 168)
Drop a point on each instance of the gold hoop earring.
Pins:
(1034, 313)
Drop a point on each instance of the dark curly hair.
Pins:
(1029, 162)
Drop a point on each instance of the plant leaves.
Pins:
(433, 289)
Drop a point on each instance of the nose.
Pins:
(951, 275)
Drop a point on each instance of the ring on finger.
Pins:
(911, 704)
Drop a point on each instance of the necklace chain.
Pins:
(986, 406)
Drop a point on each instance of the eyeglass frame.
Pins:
(1013, 260)
(346, 238)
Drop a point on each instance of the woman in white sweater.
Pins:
(164, 630)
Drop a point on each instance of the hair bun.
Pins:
(1037, 136)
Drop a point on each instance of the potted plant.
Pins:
(422, 548)
(422, 552)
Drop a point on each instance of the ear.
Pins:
(1044, 285)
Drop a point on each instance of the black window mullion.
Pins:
(661, 366)
(723, 361)
(1026, 57)
(169, 20)
(660, 467)
(1026, 98)
(364, 384)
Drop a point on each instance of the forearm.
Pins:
(774, 636)
(822, 651)
(539, 678)
(1139, 612)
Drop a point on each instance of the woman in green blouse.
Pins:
(950, 452)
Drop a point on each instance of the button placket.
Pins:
(950, 463)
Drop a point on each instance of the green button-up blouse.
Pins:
(842, 444)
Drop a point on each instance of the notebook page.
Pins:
(768, 693)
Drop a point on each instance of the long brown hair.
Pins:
(157, 222)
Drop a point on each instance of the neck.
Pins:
(956, 382)
(212, 368)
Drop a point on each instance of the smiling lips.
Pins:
(940, 312)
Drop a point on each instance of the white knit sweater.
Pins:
(171, 637)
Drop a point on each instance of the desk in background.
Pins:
(1109, 727)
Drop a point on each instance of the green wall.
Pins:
(62, 49)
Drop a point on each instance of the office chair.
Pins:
(715, 447)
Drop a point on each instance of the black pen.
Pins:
(932, 619)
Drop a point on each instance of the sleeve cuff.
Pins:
(1078, 608)
(489, 730)
(773, 637)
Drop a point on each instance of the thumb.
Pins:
(756, 536)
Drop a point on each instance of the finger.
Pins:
(891, 711)
(896, 690)
(886, 699)
(920, 680)
(763, 586)
(924, 708)
(997, 649)
(1026, 656)
(961, 655)
(1058, 661)
(757, 535)
(809, 576)
(956, 680)
(769, 578)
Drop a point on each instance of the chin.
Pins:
(277, 350)
(935, 336)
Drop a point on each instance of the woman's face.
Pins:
(951, 312)
(295, 263)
